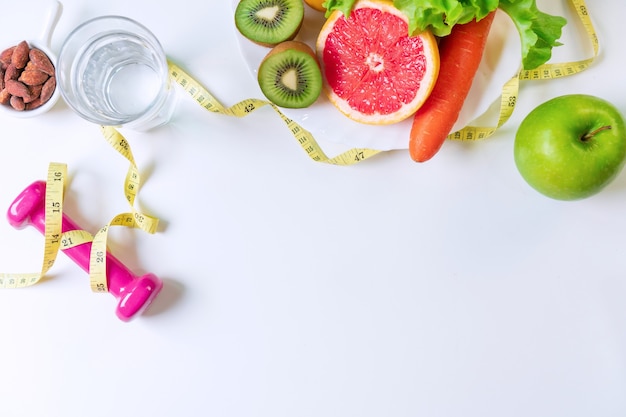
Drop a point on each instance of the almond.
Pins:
(35, 92)
(30, 66)
(11, 73)
(33, 77)
(17, 88)
(1, 79)
(41, 61)
(20, 55)
(48, 89)
(6, 55)
(34, 104)
(5, 96)
(17, 103)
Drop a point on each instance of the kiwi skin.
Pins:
(262, 38)
(315, 85)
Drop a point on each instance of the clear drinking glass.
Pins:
(113, 71)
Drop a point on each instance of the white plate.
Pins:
(500, 62)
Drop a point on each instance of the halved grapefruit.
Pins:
(373, 71)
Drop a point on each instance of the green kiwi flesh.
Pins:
(290, 78)
(269, 22)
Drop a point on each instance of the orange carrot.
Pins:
(460, 55)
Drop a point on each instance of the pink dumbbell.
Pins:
(134, 293)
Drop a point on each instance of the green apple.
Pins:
(571, 147)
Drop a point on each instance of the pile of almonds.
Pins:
(27, 78)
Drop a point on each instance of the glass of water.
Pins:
(113, 71)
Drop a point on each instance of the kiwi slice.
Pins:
(269, 22)
(290, 75)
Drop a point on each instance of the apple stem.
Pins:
(590, 135)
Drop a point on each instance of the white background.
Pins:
(295, 288)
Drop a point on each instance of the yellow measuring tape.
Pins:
(132, 183)
(57, 173)
(510, 91)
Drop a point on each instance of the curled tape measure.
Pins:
(55, 239)
(132, 182)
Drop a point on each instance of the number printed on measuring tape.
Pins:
(55, 188)
(132, 183)
(98, 256)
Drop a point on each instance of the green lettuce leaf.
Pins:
(441, 15)
(539, 32)
(342, 5)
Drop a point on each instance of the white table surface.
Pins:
(295, 288)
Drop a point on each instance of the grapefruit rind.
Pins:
(358, 101)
